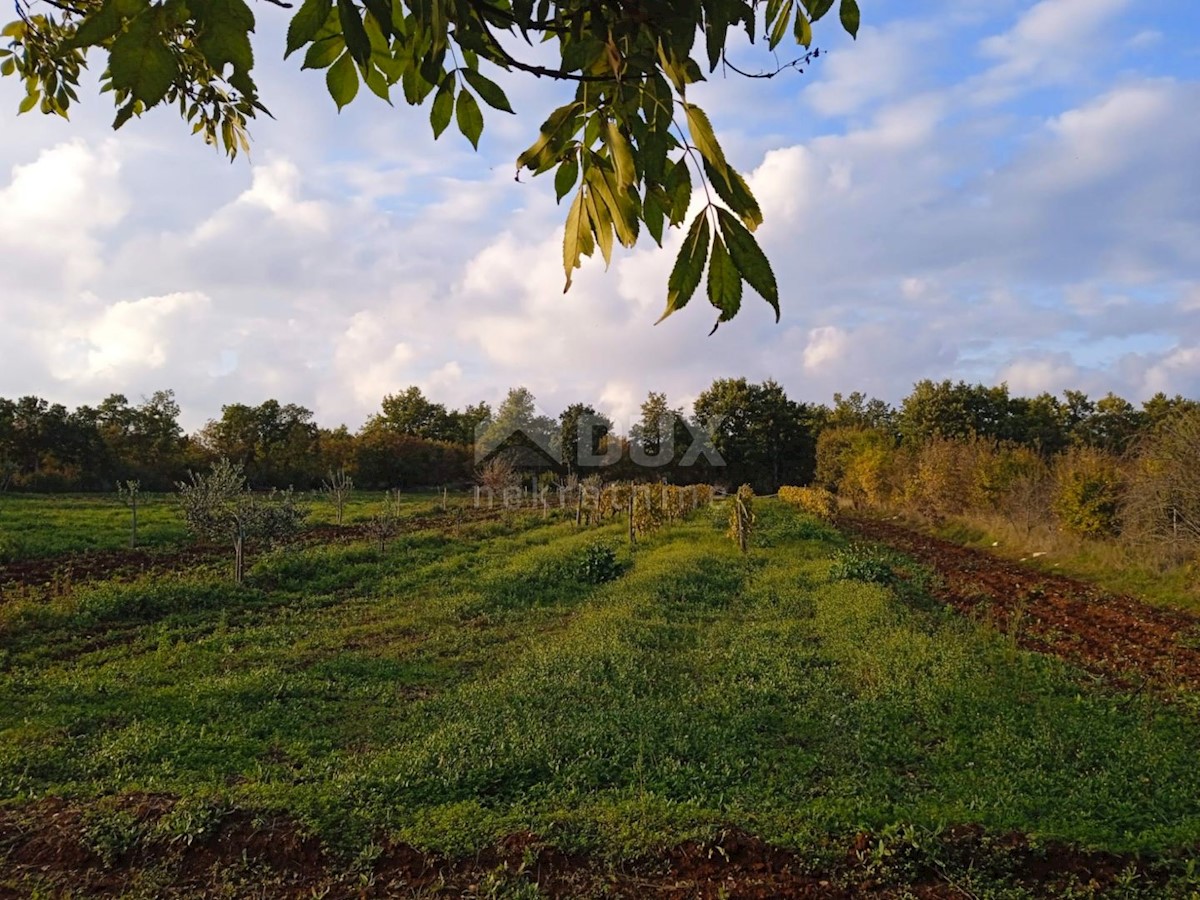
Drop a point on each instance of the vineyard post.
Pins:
(632, 496)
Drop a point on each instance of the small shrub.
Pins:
(863, 563)
(598, 564)
(816, 501)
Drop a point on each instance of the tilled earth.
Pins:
(47, 846)
(1119, 638)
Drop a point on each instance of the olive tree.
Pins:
(219, 506)
(628, 145)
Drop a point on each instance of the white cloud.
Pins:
(1051, 42)
(932, 238)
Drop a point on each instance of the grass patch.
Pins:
(459, 688)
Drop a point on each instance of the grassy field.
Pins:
(472, 683)
(41, 525)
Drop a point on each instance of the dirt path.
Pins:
(46, 845)
(1117, 637)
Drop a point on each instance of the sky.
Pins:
(987, 190)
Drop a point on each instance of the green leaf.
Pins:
(125, 113)
(850, 16)
(224, 36)
(353, 32)
(689, 266)
(736, 195)
(488, 91)
(716, 29)
(377, 84)
(749, 259)
(381, 12)
(565, 177)
(323, 53)
(470, 117)
(620, 154)
(804, 33)
(306, 23)
(571, 242)
(443, 106)
(602, 225)
(556, 130)
(702, 136)
(140, 61)
(653, 214)
(724, 283)
(817, 8)
(342, 81)
(28, 103)
(679, 188)
(780, 28)
(620, 204)
(99, 26)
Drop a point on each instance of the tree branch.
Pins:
(794, 64)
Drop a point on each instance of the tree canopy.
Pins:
(629, 147)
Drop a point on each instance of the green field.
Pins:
(471, 682)
(45, 525)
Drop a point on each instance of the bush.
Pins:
(1087, 493)
(598, 564)
(816, 501)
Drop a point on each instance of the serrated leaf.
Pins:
(602, 225)
(689, 266)
(355, 35)
(653, 214)
(736, 195)
(724, 283)
(469, 117)
(780, 28)
(99, 26)
(817, 8)
(571, 243)
(381, 13)
(377, 84)
(125, 113)
(679, 188)
(565, 177)
(705, 140)
(619, 203)
(558, 127)
(306, 23)
(488, 91)
(716, 29)
(620, 154)
(342, 81)
(141, 63)
(324, 53)
(850, 16)
(749, 259)
(224, 36)
(803, 32)
(443, 106)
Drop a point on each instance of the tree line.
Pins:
(737, 432)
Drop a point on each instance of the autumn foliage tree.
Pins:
(628, 147)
